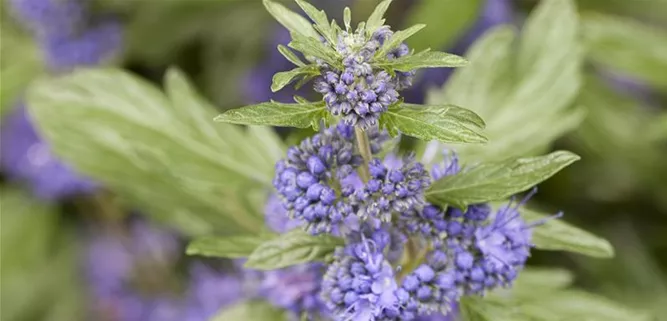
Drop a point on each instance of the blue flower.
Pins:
(431, 287)
(358, 92)
(360, 284)
(45, 17)
(93, 46)
(26, 157)
(295, 288)
(392, 189)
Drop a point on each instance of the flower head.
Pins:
(360, 92)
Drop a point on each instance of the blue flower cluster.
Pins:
(69, 34)
(309, 178)
(387, 221)
(360, 93)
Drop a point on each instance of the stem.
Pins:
(364, 147)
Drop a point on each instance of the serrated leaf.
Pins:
(625, 45)
(291, 56)
(320, 19)
(162, 153)
(497, 180)
(251, 311)
(425, 59)
(314, 48)
(284, 78)
(294, 22)
(521, 87)
(291, 248)
(397, 39)
(277, 114)
(376, 19)
(237, 246)
(445, 21)
(445, 123)
(557, 235)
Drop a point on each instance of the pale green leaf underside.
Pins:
(497, 180)
(294, 22)
(445, 123)
(251, 311)
(226, 246)
(558, 235)
(290, 56)
(277, 114)
(161, 152)
(294, 247)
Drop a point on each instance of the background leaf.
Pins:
(497, 180)
(557, 235)
(38, 250)
(445, 21)
(291, 248)
(227, 246)
(20, 62)
(251, 311)
(161, 152)
(627, 46)
(521, 88)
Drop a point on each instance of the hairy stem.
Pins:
(364, 147)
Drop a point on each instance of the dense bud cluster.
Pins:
(360, 92)
(464, 252)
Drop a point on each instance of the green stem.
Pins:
(364, 146)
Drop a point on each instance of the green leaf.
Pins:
(314, 48)
(557, 235)
(277, 114)
(497, 180)
(321, 20)
(289, 55)
(282, 79)
(251, 311)
(425, 59)
(521, 87)
(294, 247)
(294, 22)
(237, 246)
(628, 46)
(396, 39)
(445, 20)
(47, 260)
(376, 19)
(445, 123)
(347, 18)
(160, 152)
(20, 61)
(542, 278)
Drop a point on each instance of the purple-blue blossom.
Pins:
(358, 92)
(360, 284)
(392, 189)
(128, 272)
(44, 17)
(27, 158)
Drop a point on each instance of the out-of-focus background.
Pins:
(72, 249)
